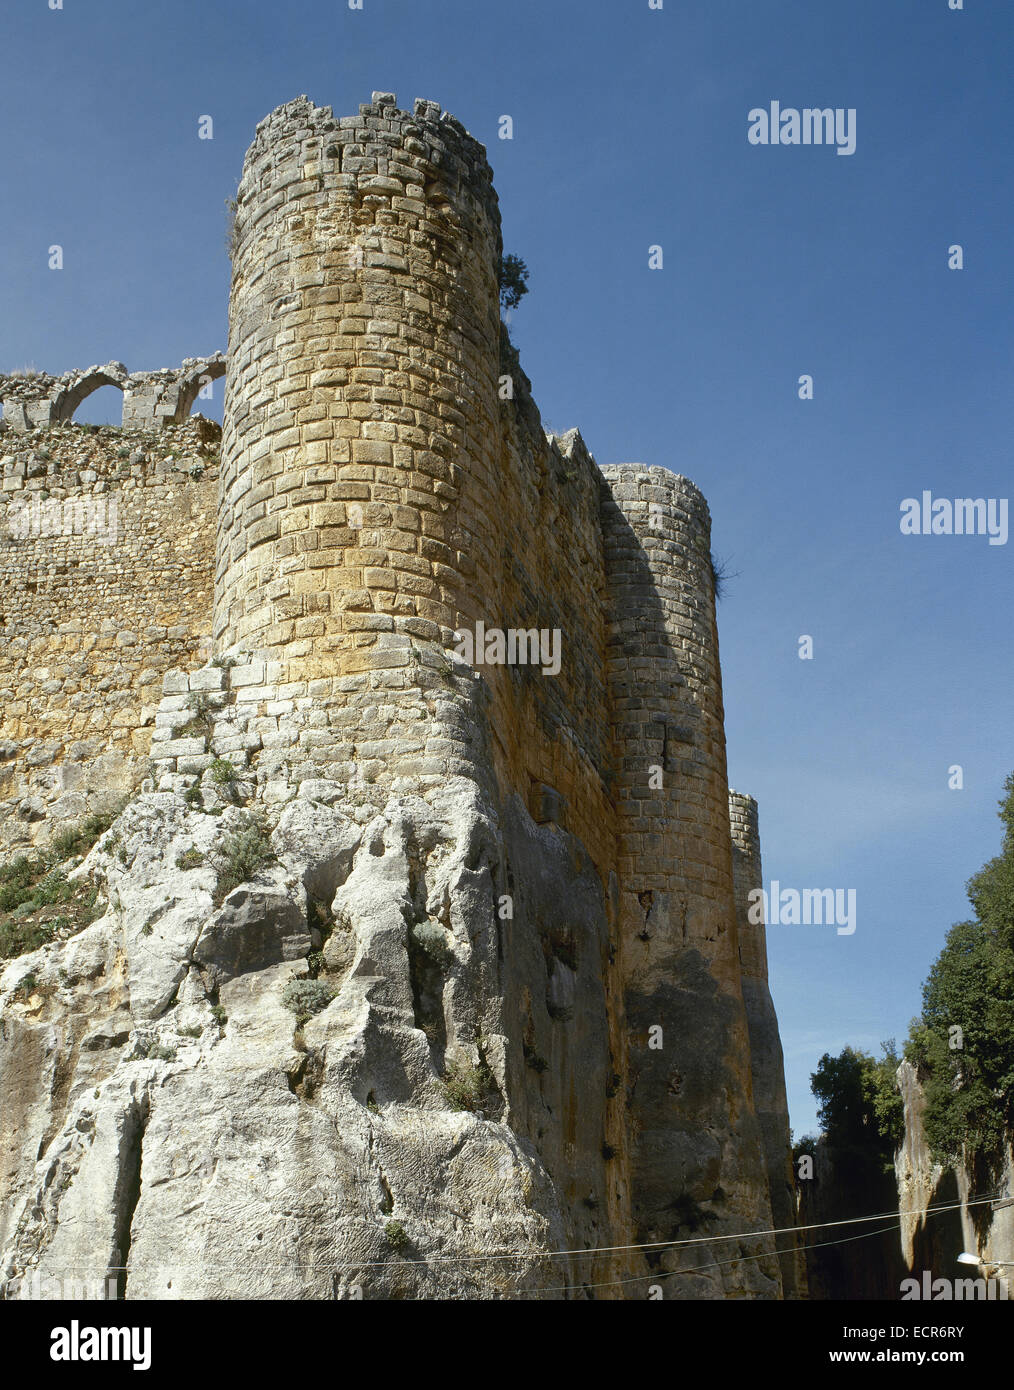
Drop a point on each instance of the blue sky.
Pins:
(630, 130)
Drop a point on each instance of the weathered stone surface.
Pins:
(105, 585)
(941, 1209)
(766, 1063)
(255, 928)
(933, 1240)
(259, 1138)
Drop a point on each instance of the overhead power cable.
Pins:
(893, 1216)
(655, 1277)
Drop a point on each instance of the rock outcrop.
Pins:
(200, 1131)
(945, 1210)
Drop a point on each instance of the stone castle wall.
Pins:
(378, 495)
(106, 552)
(680, 965)
(766, 1061)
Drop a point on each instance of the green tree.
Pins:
(860, 1109)
(513, 281)
(963, 1044)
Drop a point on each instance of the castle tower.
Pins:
(361, 411)
(696, 1154)
(765, 1045)
(747, 877)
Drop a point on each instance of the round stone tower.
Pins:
(747, 876)
(766, 1062)
(695, 1148)
(361, 411)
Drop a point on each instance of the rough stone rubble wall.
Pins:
(106, 547)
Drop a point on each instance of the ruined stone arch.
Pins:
(79, 387)
(151, 400)
(194, 378)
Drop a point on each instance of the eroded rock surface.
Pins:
(166, 1109)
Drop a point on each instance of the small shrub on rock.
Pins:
(431, 939)
(467, 1086)
(397, 1236)
(307, 997)
(243, 854)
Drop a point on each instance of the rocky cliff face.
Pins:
(169, 1107)
(416, 974)
(861, 1260)
(433, 1123)
(943, 1211)
(933, 1239)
